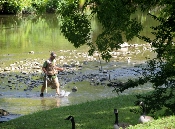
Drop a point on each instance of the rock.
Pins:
(74, 89)
(115, 84)
(39, 71)
(9, 81)
(3, 112)
(66, 65)
(31, 52)
(36, 67)
(7, 69)
(24, 72)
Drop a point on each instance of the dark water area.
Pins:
(26, 42)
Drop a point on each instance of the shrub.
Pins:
(52, 6)
(39, 5)
(11, 6)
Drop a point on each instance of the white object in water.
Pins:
(64, 93)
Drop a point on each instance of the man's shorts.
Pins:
(53, 83)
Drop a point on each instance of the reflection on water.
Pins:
(54, 103)
(37, 33)
(42, 33)
(30, 105)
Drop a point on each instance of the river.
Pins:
(26, 41)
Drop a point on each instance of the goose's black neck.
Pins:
(143, 109)
(116, 116)
(73, 123)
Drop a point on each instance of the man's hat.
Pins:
(53, 54)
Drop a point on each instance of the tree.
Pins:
(118, 26)
(115, 21)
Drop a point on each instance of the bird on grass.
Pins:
(118, 125)
(143, 118)
(71, 118)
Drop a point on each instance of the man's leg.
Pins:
(57, 84)
(42, 91)
(58, 90)
(43, 88)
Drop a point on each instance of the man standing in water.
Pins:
(50, 69)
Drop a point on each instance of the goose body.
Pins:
(71, 118)
(143, 118)
(116, 126)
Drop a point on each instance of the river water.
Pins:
(26, 41)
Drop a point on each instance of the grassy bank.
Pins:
(90, 115)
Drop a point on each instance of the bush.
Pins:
(11, 6)
(52, 6)
(39, 5)
(29, 6)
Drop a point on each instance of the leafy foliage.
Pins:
(29, 6)
(75, 25)
(118, 26)
(10, 6)
(160, 71)
(115, 21)
(163, 123)
(52, 6)
(39, 5)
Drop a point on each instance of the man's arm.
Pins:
(44, 67)
(60, 69)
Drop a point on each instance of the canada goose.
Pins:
(143, 118)
(71, 118)
(116, 124)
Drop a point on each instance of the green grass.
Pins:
(161, 123)
(90, 115)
